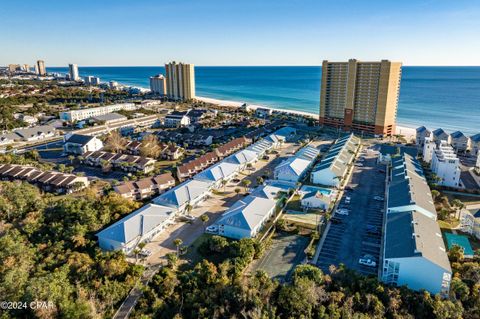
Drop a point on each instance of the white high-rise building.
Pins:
(40, 68)
(428, 149)
(158, 85)
(180, 81)
(73, 71)
(446, 165)
(95, 81)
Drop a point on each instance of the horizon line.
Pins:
(222, 66)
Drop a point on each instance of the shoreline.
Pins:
(408, 132)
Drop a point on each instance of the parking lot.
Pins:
(284, 254)
(353, 236)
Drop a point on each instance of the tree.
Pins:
(188, 208)
(115, 142)
(178, 242)
(150, 147)
(223, 183)
(237, 190)
(435, 194)
(71, 158)
(204, 218)
(259, 180)
(459, 206)
(246, 183)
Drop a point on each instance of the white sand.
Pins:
(408, 132)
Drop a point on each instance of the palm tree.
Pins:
(435, 194)
(246, 183)
(188, 208)
(459, 206)
(178, 242)
(223, 183)
(71, 158)
(260, 180)
(237, 190)
(205, 218)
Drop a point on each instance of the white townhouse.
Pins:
(413, 249)
(334, 165)
(440, 135)
(460, 142)
(475, 144)
(79, 144)
(222, 171)
(177, 119)
(294, 168)
(36, 133)
(140, 226)
(421, 133)
(261, 147)
(242, 158)
(191, 192)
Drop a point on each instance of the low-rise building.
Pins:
(184, 196)
(334, 165)
(9, 138)
(475, 144)
(413, 250)
(145, 187)
(470, 221)
(263, 112)
(177, 119)
(36, 133)
(421, 133)
(460, 142)
(446, 165)
(80, 144)
(129, 163)
(316, 199)
(109, 118)
(218, 174)
(82, 114)
(440, 135)
(50, 181)
(295, 167)
(140, 226)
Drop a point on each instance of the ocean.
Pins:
(446, 97)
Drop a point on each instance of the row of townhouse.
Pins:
(295, 167)
(82, 114)
(334, 166)
(247, 217)
(31, 134)
(413, 249)
(145, 187)
(168, 151)
(129, 163)
(197, 165)
(193, 139)
(144, 224)
(50, 181)
(459, 141)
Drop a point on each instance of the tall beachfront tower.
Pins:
(73, 70)
(41, 70)
(180, 81)
(158, 85)
(360, 96)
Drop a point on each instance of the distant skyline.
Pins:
(236, 33)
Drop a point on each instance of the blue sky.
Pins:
(234, 32)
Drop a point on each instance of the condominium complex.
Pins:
(446, 165)
(180, 81)
(158, 85)
(41, 70)
(78, 115)
(73, 71)
(360, 96)
(413, 250)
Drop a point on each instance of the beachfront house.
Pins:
(440, 135)
(475, 144)
(421, 133)
(460, 142)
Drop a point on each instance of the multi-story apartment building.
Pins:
(460, 142)
(443, 161)
(78, 115)
(180, 81)
(158, 85)
(360, 96)
(73, 71)
(26, 68)
(41, 70)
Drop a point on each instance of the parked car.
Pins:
(379, 198)
(188, 218)
(335, 220)
(343, 212)
(381, 171)
(367, 260)
(374, 230)
(348, 188)
(235, 180)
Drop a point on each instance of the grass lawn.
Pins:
(294, 204)
(448, 224)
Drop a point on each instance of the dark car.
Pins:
(336, 220)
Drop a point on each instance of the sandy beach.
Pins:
(408, 132)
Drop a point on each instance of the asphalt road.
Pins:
(347, 241)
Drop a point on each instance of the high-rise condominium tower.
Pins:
(158, 85)
(360, 96)
(41, 68)
(180, 81)
(73, 70)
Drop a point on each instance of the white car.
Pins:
(368, 261)
(379, 198)
(212, 229)
(342, 212)
(189, 218)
